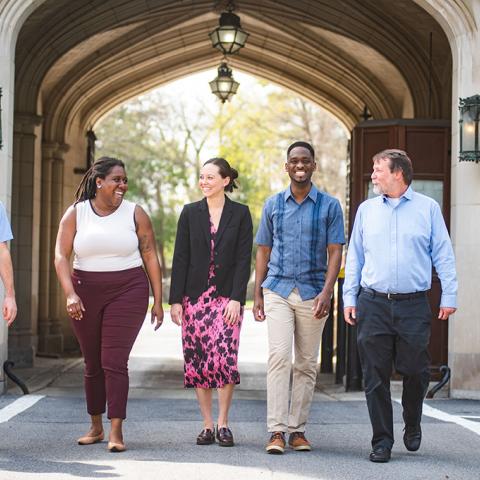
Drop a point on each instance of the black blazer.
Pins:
(232, 255)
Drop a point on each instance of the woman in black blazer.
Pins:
(210, 272)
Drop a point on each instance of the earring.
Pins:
(99, 186)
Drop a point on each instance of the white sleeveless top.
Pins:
(106, 244)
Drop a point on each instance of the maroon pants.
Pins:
(115, 306)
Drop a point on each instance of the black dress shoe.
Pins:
(412, 437)
(225, 437)
(380, 454)
(206, 437)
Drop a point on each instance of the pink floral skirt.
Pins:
(210, 345)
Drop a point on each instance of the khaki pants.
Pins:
(290, 321)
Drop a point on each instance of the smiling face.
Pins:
(113, 187)
(211, 182)
(300, 166)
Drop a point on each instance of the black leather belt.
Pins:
(393, 296)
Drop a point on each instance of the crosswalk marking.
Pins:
(447, 417)
(18, 406)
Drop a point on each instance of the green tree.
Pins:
(142, 134)
(164, 141)
(261, 124)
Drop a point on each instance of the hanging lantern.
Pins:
(229, 37)
(224, 86)
(469, 129)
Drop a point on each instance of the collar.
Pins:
(408, 194)
(312, 194)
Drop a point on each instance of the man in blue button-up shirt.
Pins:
(299, 252)
(396, 239)
(9, 309)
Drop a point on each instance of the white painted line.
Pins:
(470, 416)
(446, 417)
(18, 406)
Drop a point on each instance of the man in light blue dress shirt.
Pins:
(299, 252)
(397, 237)
(9, 308)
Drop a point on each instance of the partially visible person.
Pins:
(210, 272)
(298, 258)
(107, 293)
(396, 239)
(9, 308)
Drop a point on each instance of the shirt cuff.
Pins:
(263, 243)
(448, 301)
(350, 301)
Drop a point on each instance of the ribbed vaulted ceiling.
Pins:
(77, 60)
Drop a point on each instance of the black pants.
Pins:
(393, 332)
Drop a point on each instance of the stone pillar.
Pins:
(464, 327)
(26, 203)
(50, 339)
(7, 85)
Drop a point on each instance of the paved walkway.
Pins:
(163, 421)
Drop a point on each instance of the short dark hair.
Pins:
(301, 144)
(225, 171)
(100, 169)
(398, 161)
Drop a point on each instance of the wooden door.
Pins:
(428, 145)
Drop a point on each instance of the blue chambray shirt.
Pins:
(298, 234)
(393, 247)
(5, 230)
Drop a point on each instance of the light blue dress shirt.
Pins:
(299, 234)
(5, 230)
(393, 247)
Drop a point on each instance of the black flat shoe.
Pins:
(380, 454)
(206, 437)
(412, 437)
(225, 437)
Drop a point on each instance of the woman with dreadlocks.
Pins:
(107, 293)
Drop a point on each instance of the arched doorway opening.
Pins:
(74, 63)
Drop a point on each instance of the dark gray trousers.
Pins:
(393, 332)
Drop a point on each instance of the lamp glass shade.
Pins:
(469, 128)
(468, 136)
(228, 37)
(224, 86)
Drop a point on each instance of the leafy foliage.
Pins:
(164, 141)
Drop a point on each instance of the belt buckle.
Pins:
(389, 296)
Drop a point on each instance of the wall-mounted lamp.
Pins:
(469, 129)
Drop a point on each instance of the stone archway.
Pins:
(74, 63)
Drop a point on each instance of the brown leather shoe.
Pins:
(276, 444)
(298, 442)
(225, 437)
(206, 437)
(90, 439)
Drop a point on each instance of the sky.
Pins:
(196, 86)
(194, 91)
